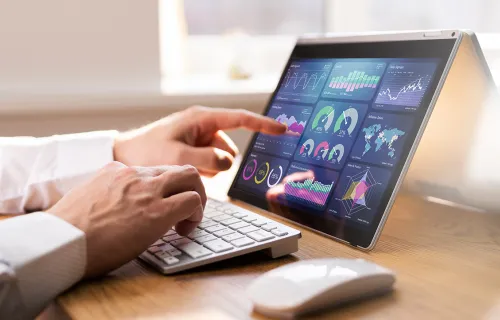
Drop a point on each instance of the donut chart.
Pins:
(324, 119)
(337, 153)
(274, 177)
(249, 169)
(262, 172)
(307, 148)
(322, 148)
(351, 114)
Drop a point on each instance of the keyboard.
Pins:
(226, 231)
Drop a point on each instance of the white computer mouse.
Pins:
(311, 285)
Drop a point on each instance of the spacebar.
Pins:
(194, 250)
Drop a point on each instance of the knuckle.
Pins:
(113, 165)
(194, 198)
(190, 170)
(129, 171)
(196, 109)
(244, 112)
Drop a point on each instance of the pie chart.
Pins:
(324, 119)
(349, 116)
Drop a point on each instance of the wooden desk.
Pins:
(447, 260)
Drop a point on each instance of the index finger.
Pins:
(224, 119)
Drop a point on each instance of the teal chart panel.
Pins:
(354, 80)
(304, 81)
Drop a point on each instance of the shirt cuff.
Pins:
(80, 155)
(47, 254)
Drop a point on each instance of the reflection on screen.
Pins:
(347, 125)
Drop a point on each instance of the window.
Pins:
(255, 17)
(242, 39)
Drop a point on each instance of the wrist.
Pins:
(119, 148)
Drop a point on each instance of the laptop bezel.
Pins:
(367, 238)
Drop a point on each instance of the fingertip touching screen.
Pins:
(352, 113)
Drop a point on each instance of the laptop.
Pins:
(355, 108)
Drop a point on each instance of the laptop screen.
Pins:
(351, 121)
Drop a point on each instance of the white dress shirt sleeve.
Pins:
(40, 257)
(40, 254)
(36, 172)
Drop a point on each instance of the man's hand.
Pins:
(193, 136)
(123, 210)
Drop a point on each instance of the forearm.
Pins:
(36, 172)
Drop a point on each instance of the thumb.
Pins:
(209, 159)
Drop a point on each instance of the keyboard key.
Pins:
(240, 215)
(170, 250)
(230, 221)
(223, 232)
(157, 243)
(249, 218)
(208, 210)
(197, 233)
(174, 252)
(208, 237)
(170, 232)
(194, 250)
(215, 227)
(269, 226)
(210, 205)
(206, 224)
(260, 235)
(248, 229)
(218, 245)
(162, 255)
(239, 225)
(172, 237)
(154, 250)
(177, 243)
(233, 236)
(279, 232)
(212, 214)
(166, 247)
(230, 211)
(221, 217)
(259, 222)
(242, 242)
(170, 260)
(213, 203)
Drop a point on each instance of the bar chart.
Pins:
(354, 80)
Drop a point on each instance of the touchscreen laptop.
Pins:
(355, 109)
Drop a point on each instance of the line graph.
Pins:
(405, 84)
(304, 81)
(414, 86)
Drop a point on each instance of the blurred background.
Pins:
(77, 65)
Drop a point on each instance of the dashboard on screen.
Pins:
(349, 125)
